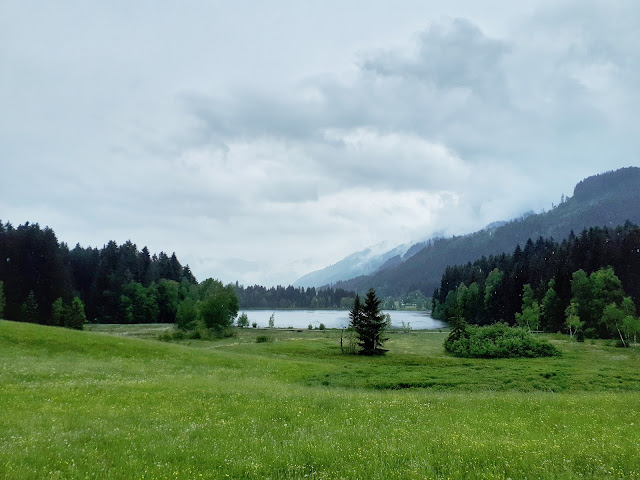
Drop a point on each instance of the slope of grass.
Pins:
(90, 405)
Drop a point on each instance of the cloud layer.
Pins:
(230, 137)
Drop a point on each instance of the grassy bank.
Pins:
(96, 405)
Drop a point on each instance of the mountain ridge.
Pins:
(606, 199)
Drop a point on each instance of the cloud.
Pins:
(229, 145)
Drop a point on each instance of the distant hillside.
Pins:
(608, 199)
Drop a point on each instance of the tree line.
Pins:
(41, 277)
(259, 297)
(587, 284)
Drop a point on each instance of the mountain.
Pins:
(608, 199)
(360, 263)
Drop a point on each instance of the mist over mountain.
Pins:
(608, 199)
(359, 263)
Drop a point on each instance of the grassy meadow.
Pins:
(115, 402)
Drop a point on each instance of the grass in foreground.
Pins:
(86, 405)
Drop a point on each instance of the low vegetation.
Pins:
(85, 404)
(496, 341)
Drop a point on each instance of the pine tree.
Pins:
(58, 313)
(371, 326)
(76, 317)
(355, 314)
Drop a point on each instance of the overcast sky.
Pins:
(263, 140)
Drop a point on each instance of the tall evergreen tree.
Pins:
(76, 317)
(355, 314)
(58, 313)
(372, 326)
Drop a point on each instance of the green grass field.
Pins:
(105, 404)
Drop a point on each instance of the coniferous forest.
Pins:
(258, 297)
(587, 284)
(43, 281)
(116, 284)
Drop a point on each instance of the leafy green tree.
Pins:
(451, 306)
(473, 305)
(606, 288)
(613, 318)
(492, 287)
(144, 307)
(630, 322)
(243, 320)
(272, 320)
(187, 314)
(76, 317)
(530, 316)
(2, 299)
(30, 309)
(219, 307)
(167, 295)
(573, 321)
(371, 326)
(126, 309)
(461, 301)
(58, 313)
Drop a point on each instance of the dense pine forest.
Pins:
(116, 284)
(43, 281)
(551, 286)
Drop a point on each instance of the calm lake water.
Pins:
(337, 318)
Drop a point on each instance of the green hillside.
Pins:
(92, 405)
(609, 199)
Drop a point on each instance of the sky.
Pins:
(260, 141)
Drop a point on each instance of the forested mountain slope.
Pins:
(608, 199)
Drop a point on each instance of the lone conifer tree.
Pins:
(369, 324)
(76, 317)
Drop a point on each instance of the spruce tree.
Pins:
(76, 317)
(58, 313)
(355, 314)
(371, 326)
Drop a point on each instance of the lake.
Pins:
(338, 318)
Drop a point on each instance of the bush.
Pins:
(254, 325)
(498, 341)
(321, 327)
(263, 339)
